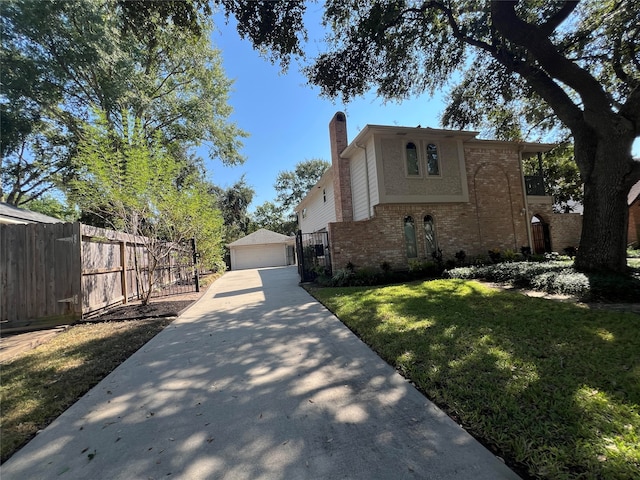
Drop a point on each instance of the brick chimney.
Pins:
(341, 170)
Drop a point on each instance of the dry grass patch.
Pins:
(40, 384)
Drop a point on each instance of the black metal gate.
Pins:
(178, 271)
(314, 259)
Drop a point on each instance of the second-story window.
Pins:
(413, 166)
(433, 162)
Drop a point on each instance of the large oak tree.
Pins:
(581, 60)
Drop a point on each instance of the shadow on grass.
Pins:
(553, 387)
(38, 386)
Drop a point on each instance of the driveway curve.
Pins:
(256, 380)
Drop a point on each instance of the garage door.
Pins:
(257, 256)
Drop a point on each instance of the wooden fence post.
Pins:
(123, 274)
(76, 268)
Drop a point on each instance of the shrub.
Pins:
(510, 255)
(556, 277)
(366, 276)
(570, 282)
(495, 255)
(341, 278)
(480, 260)
(566, 281)
(463, 273)
(437, 256)
(460, 256)
(415, 265)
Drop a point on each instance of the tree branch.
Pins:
(453, 23)
(545, 53)
(631, 109)
(560, 16)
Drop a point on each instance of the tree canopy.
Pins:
(131, 186)
(292, 185)
(234, 203)
(574, 64)
(63, 60)
(273, 217)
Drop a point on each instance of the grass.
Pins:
(40, 384)
(554, 388)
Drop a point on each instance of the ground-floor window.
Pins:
(410, 237)
(429, 236)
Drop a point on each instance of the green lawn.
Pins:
(554, 388)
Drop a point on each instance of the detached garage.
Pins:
(262, 248)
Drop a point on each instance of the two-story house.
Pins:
(396, 194)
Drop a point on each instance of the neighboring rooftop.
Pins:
(10, 214)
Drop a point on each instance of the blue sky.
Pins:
(287, 120)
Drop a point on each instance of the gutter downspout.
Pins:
(366, 173)
(526, 202)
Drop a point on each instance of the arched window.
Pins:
(431, 245)
(433, 163)
(413, 166)
(410, 237)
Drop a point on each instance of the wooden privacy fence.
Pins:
(58, 273)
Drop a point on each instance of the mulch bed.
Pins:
(157, 308)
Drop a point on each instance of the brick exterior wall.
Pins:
(565, 229)
(633, 236)
(493, 217)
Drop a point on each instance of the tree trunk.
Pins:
(607, 181)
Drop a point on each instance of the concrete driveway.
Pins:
(255, 381)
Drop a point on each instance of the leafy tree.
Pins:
(562, 178)
(54, 207)
(292, 186)
(40, 162)
(130, 185)
(273, 217)
(64, 58)
(580, 59)
(234, 202)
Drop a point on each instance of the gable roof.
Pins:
(261, 237)
(11, 214)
